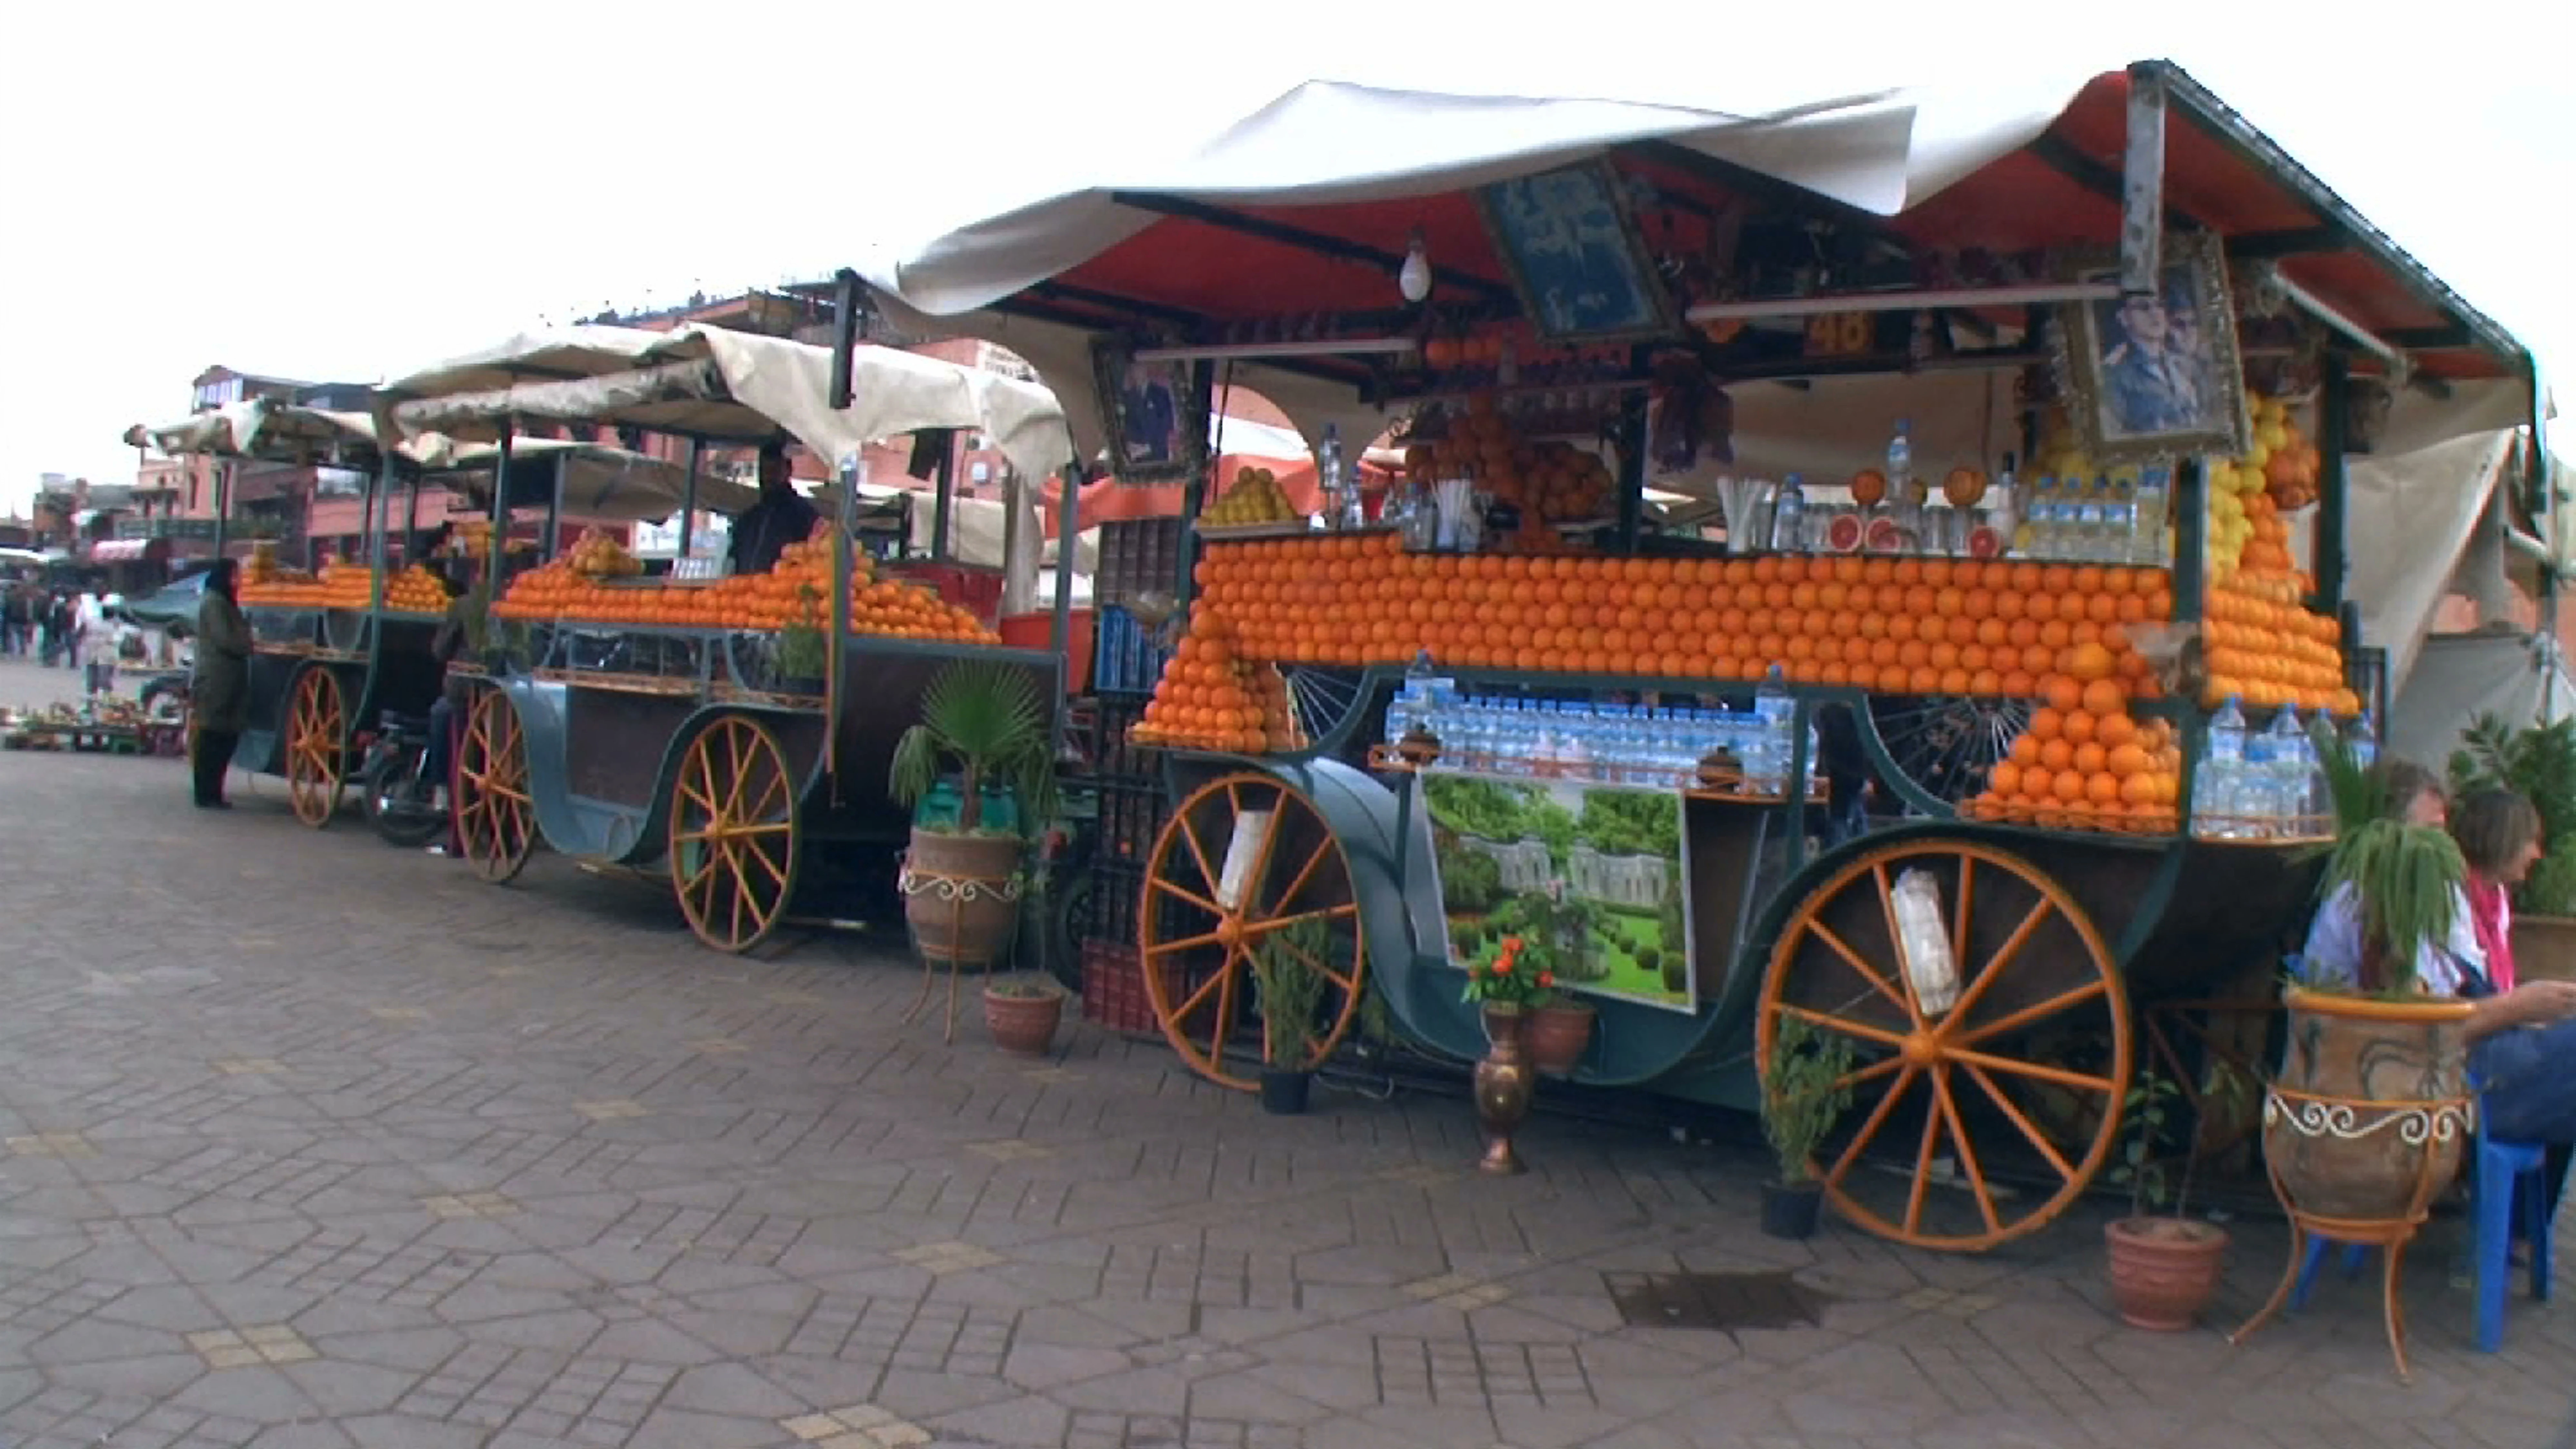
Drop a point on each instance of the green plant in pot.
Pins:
(1803, 1094)
(1283, 971)
(2539, 764)
(961, 884)
(2366, 1115)
(2165, 1265)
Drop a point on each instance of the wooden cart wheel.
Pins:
(733, 834)
(1293, 892)
(2031, 968)
(495, 816)
(317, 733)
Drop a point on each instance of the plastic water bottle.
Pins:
(1774, 714)
(2363, 737)
(2220, 789)
(1789, 518)
(1900, 462)
(2293, 770)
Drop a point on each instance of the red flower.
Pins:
(1547, 978)
(1512, 944)
(1503, 967)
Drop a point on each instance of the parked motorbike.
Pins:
(400, 801)
(165, 697)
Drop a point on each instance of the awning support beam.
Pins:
(1320, 243)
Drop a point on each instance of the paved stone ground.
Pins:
(305, 1141)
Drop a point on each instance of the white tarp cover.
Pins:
(598, 481)
(263, 428)
(975, 533)
(2458, 677)
(753, 388)
(1881, 152)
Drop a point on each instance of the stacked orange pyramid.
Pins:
(1210, 698)
(2084, 763)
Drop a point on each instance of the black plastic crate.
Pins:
(1138, 556)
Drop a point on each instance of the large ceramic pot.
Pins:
(1558, 1034)
(2370, 1112)
(962, 895)
(2164, 1271)
(2544, 948)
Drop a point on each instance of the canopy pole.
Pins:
(554, 509)
(689, 500)
(1060, 629)
(944, 494)
(223, 506)
(1019, 585)
(2191, 540)
(852, 464)
(1632, 461)
(411, 520)
(2334, 484)
(494, 549)
(376, 524)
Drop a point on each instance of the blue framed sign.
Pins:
(1575, 255)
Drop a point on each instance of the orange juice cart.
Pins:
(2031, 438)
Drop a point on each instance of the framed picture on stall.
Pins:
(1571, 243)
(1152, 412)
(2156, 374)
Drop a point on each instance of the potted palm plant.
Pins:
(2366, 1113)
(1291, 990)
(2164, 1265)
(2539, 764)
(1803, 1094)
(962, 883)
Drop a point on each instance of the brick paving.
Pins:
(312, 1142)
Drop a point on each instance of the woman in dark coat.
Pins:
(219, 690)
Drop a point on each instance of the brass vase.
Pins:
(1505, 1081)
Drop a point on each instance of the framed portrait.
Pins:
(1577, 259)
(2156, 374)
(1153, 413)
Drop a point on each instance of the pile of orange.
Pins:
(2267, 648)
(343, 586)
(1210, 698)
(1549, 482)
(797, 591)
(1898, 625)
(2084, 763)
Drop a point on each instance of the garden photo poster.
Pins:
(1589, 876)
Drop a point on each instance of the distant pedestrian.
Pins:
(14, 620)
(219, 690)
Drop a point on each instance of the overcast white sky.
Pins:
(351, 191)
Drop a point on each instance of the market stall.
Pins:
(722, 726)
(2019, 419)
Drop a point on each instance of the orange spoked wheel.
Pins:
(1246, 865)
(1945, 1146)
(317, 733)
(733, 834)
(495, 816)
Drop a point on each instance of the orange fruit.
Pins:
(2105, 697)
(2057, 754)
(2077, 727)
(2047, 723)
(2063, 694)
(2090, 662)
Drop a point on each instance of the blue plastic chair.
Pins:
(2507, 1192)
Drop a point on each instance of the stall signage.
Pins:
(1589, 876)
(1575, 255)
(1841, 334)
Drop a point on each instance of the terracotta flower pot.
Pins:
(2370, 1112)
(1558, 1034)
(962, 895)
(2164, 1271)
(1021, 1022)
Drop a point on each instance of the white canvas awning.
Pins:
(598, 481)
(272, 431)
(728, 386)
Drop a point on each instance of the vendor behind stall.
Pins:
(780, 517)
(219, 695)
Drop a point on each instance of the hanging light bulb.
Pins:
(1415, 277)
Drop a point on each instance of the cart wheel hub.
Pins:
(1229, 932)
(1921, 1049)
